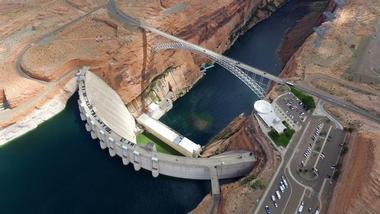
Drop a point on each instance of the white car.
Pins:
(278, 194)
(273, 198)
(282, 189)
(285, 182)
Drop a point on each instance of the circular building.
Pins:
(266, 112)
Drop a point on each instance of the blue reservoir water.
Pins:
(57, 168)
(219, 97)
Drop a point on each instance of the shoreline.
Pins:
(53, 106)
(36, 117)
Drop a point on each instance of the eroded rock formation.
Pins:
(123, 55)
(241, 196)
(343, 63)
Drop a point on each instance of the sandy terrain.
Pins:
(338, 51)
(358, 187)
(67, 34)
(358, 98)
(23, 23)
(124, 57)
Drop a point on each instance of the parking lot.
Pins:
(292, 108)
(308, 164)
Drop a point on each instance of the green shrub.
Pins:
(247, 179)
(283, 138)
(308, 101)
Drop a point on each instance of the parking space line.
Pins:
(323, 146)
(320, 194)
(290, 195)
(299, 202)
(312, 147)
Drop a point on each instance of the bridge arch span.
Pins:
(249, 81)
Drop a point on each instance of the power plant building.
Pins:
(178, 142)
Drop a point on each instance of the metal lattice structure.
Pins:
(258, 87)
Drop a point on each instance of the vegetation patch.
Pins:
(145, 138)
(257, 184)
(308, 101)
(283, 138)
(247, 179)
(252, 182)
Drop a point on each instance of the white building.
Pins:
(266, 112)
(182, 144)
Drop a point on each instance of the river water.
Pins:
(57, 168)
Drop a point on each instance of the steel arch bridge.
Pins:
(256, 83)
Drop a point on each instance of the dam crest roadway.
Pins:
(100, 107)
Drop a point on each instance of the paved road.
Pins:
(302, 187)
(44, 39)
(49, 86)
(124, 18)
(336, 101)
(348, 84)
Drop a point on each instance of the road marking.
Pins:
(312, 147)
(299, 183)
(290, 196)
(323, 146)
(320, 193)
(291, 158)
(278, 171)
(299, 203)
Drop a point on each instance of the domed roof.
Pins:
(263, 106)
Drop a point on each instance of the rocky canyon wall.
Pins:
(349, 48)
(123, 55)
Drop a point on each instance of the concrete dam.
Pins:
(108, 120)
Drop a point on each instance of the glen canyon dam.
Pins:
(190, 106)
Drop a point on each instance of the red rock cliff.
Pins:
(124, 57)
